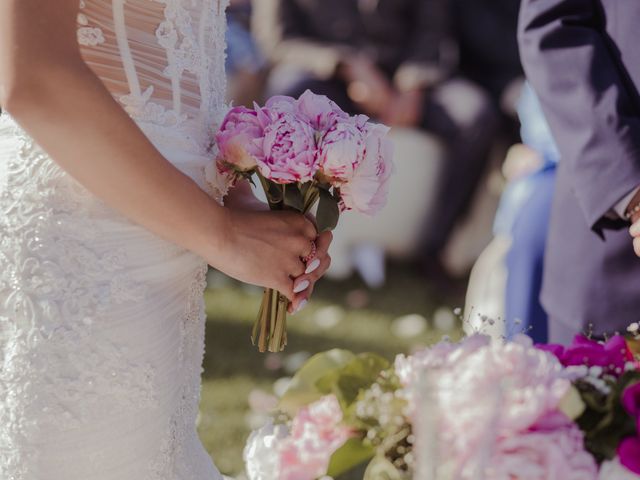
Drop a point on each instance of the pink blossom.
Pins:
(290, 153)
(240, 139)
(367, 190)
(316, 434)
(482, 388)
(281, 104)
(553, 448)
(342, 148)
(320, 111)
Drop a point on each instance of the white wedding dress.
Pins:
(102, 322)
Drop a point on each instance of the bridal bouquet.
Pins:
(304, 152)
(477, 409)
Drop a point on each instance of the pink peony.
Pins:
(320, 111)
(612, 355)
(316, 434)
(481, 390)
(551, 449)
(281, 104)
(240, 139)
(290, 153)
(367, 190)
(342, 148)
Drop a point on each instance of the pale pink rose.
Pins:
(320, 111)
(289, 151)
(551, 449)
(316, 434)
(342, 148)
(240, 139)
(367, 190)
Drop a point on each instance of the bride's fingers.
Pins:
(636, 245)
(301, 300)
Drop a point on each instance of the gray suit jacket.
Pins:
(583, 59)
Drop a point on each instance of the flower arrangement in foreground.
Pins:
(477, 409)
(304, 152)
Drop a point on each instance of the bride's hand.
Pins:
(264, 248)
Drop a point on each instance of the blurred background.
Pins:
(459, 246)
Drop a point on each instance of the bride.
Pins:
(109, 215)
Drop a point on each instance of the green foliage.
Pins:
(348, 381)
(328, 211)
(605, 422)
(293, 198)
(349, 457)
(303, 389)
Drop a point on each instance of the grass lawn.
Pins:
(341, 315)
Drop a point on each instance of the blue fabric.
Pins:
(525, 260)
(524, 214)
(242, 51)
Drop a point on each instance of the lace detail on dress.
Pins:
(56, 373)
(87, 35)
(172, 458)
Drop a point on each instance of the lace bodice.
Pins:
(161, 59)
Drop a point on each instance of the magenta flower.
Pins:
(367, 190)
(342, 149)
(629, 453)
(289, 151)
(631, 400)
(240, 139)
(612, 355)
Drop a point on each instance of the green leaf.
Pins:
(303, 390)
(293, 197)
(328, 211)
(357, 375)
(382, 469)
(352, 454)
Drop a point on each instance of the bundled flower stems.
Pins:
(304, 152)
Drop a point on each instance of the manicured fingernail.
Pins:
(301, 287)
(301, 306)
(313, 266)
(635, 229)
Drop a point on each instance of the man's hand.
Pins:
(368, 87)
(405, 109)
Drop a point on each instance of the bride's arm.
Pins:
(56, 98)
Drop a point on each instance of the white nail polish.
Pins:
(301, 287)
(303, 304)
(312, 267)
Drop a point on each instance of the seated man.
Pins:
(392, 60)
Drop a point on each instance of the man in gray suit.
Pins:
(583, 59)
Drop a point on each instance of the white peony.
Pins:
(261, 452)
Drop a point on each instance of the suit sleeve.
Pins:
(433, 54)
(590, 102)
(279, 27)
